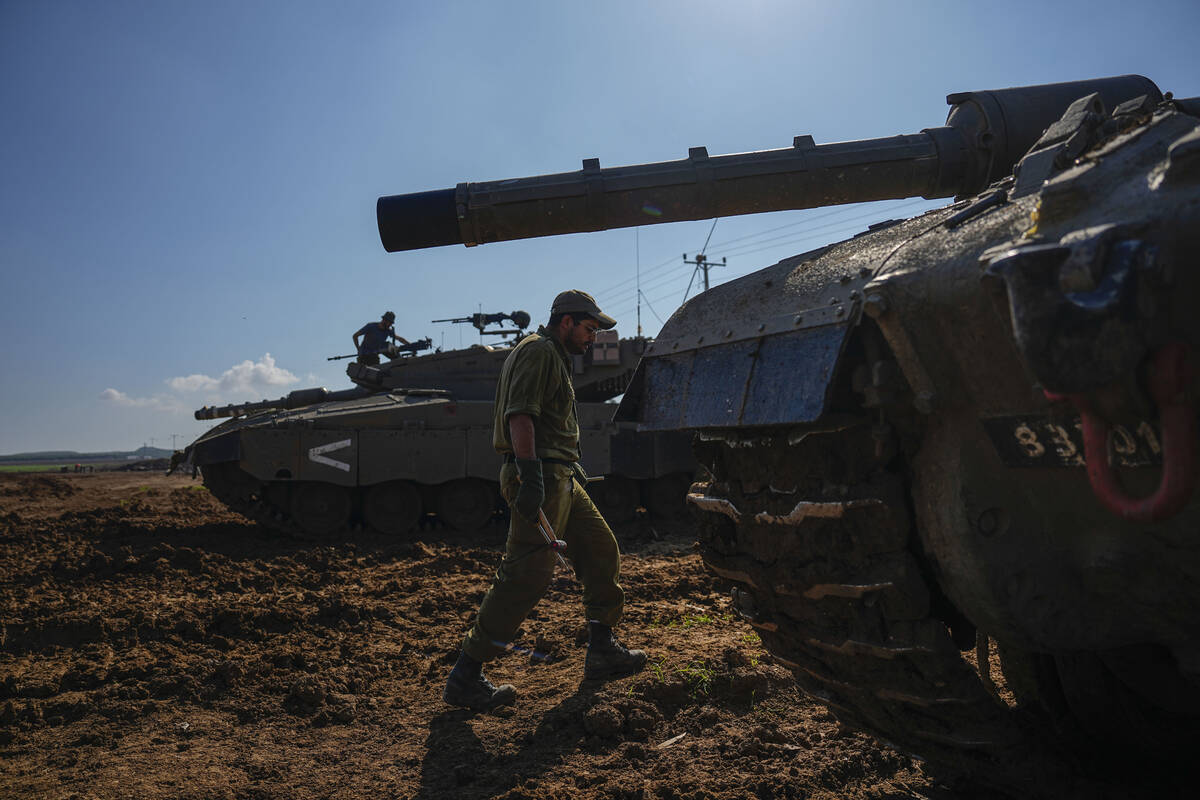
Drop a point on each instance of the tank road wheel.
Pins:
(230, 484)
(819, 544)
(666, 495)
(248, 496)
(616, 496)
(393, 508)
(466, 504)
(320, 508)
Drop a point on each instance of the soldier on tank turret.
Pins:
(537, 432)
(375, 337)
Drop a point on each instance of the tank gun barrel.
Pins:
(297, 399)
(985, 134)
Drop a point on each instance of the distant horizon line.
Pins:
(158, 452)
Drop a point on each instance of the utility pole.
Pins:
(702, 264)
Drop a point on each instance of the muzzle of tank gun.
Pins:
(984, 135)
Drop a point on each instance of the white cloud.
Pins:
(241, 382)
(156, 403)
(246, 377)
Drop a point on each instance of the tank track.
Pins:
(250, 497)
(246, 495)
(242, 493)
(819, 544)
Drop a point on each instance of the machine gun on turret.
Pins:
(519, 318)
(394, 350)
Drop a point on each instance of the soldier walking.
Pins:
(537, 432)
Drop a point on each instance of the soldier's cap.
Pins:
(573, 301)
(388, 315)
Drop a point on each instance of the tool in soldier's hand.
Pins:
(581, 477)
(555, 544)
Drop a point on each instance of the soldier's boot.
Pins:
(607, 657)
(466, 686)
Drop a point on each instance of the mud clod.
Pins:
(604, 721)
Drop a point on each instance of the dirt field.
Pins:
(155, 645)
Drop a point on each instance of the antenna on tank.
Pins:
(637, 247)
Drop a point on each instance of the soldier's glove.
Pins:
(531, 491)
(580, 476)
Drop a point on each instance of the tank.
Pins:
(951, 460)
(413, 438)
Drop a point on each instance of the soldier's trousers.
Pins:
(528, 565)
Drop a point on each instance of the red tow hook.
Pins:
(1170, 378)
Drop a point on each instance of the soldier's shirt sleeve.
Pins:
(531, 379)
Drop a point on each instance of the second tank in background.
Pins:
(414, 438)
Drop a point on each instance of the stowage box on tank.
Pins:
(415, 438)
(966, 433)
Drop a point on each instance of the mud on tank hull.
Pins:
(915, 527)
(389, 460)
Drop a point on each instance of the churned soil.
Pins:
(155, 645)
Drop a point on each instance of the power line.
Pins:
(708, 238)
(608, 295)
(607, 292)
(874, 213)
(618, 285)
(808, 218)
(823, 231)
(660, 280)
(667, 279)
(652, 311)
(842, 221)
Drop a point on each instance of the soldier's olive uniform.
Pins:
(536, 380)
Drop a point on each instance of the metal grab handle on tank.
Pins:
(1170, 379)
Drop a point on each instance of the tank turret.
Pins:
(952, 460)
(602, 373)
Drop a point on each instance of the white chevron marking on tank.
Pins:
(316, 454)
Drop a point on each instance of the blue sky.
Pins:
(187, 190)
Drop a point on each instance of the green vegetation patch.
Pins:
(35, 467)
(698, 675)
(690, 620)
